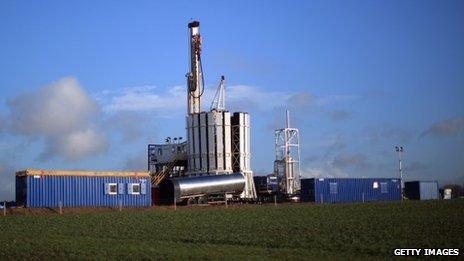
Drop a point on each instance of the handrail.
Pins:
(161, 175)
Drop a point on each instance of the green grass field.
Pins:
(288, 231)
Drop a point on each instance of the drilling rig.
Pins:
(215, 158)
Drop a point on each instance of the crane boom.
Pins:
(219, 100)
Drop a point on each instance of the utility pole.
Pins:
(399, 150)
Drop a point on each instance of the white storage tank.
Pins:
(209, 143)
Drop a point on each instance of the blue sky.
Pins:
(87, 85)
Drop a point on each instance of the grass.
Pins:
(288, 231)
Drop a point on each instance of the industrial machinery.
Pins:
(215, 159)
(287, 162)
(169, 158)
(267, 187)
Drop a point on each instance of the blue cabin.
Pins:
(67, 188)
(334, 190)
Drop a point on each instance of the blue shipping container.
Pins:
(421, 190)
(332, 190)
(45, 188)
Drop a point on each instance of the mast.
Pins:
(195, 85)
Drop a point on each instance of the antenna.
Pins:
(219, 100)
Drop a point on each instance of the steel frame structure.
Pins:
(287, 162)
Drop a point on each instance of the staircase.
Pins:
(161, 175)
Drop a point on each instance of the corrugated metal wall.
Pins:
(421, 190)
(429, 190)
(78, 191)
(334, 190)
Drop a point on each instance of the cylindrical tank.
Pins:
(209, 140)
(201, 185)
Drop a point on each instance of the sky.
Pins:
(87, 85)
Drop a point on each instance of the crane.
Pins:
(219, 100)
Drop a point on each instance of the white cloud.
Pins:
(60, 107)
(63, 115)
(169, 102)
(145, 98)
(173, 101)
(243, 97)
(75, 145)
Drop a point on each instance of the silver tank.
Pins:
(211, 184)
